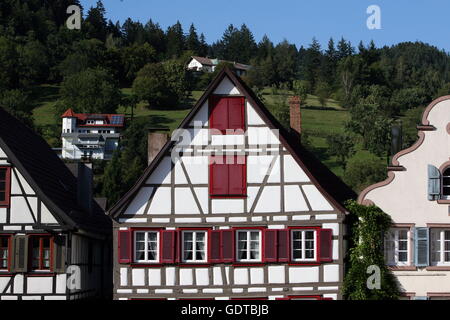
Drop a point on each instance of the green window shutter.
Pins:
(59, 254)
(421, 247)
(434, 183)
(20, 254)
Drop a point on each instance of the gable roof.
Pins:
(49, 177)
(212, 62)
(111, 120)
(332, 187)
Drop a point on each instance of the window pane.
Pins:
(140, 255)
(140, 246)
(402, 256)
(254, 235)
(200, 255)
(2, 196)
(309, 235)
(446, 181)
(297, 235)
(242, 235)
(200, 236)
(187, 255)
(151, 255)
(309, 254)
(242, 245)
(188, 236)
(403, 234)
(187, 245)
(403, 245)
(297, 245)
(2, 174)
(297, 254)
(254, 255)
(254, 245)
(152, 236)
(242, 254)
(140, 236)
(309, 244)
(446, 190)
(447, 234)
(2, 185)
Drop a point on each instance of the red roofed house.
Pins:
(90, 135)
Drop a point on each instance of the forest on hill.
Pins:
(107, 65)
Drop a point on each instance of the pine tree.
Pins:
(175, 41)
(192, 41)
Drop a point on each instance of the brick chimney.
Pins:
(295, 116)
(155, 142)
(85, 184)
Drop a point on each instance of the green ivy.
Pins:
(368, 225)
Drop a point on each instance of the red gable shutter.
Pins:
(326, 245)
(124, 243)
(237, 184)
(218, 113)
(215, 246)
(236, 113)
(270, 245)
(283, 245)
(227, 245)
(168, 246)
(218, 176)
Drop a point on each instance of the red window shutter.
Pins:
(236, 113)
(227, 245)
(218, 184)
(283, 245)
(237, 179)
(215, 246)
(5, 186)
(218, 113)
(168, 246)
(270, 245)
(326, 244)
(124, 242)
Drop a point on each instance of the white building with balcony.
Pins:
(94, 136)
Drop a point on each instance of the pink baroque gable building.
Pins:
(232, 207)
(416, 195)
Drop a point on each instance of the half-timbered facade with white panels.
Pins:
(52, 246)
(232, 207)
(416, 195)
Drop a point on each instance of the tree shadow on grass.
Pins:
(154, 121)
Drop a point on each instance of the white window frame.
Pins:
(441, 232)
(194, 246)
(303, 249)
(249, 231)
(395, 232)
(146, 232)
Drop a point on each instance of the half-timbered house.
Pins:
(416, 195)
(54, 239)
(232, 207)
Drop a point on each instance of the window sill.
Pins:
(443, 201)
(438, 268)
(146, 265)
(40, 273)
(402, 268)
(227, 197)
(298, 263)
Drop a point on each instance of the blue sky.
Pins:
(297, 20)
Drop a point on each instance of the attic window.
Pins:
(227, 113)
(5, 186)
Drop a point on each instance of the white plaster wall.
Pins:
(316, 199)
(39, 285)
(303, 274)
(253, 117)
(294, 200)
(46, 215)
(292, 171)
(137, 206)
(226, 87)
(161, 203)
(422, 281)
